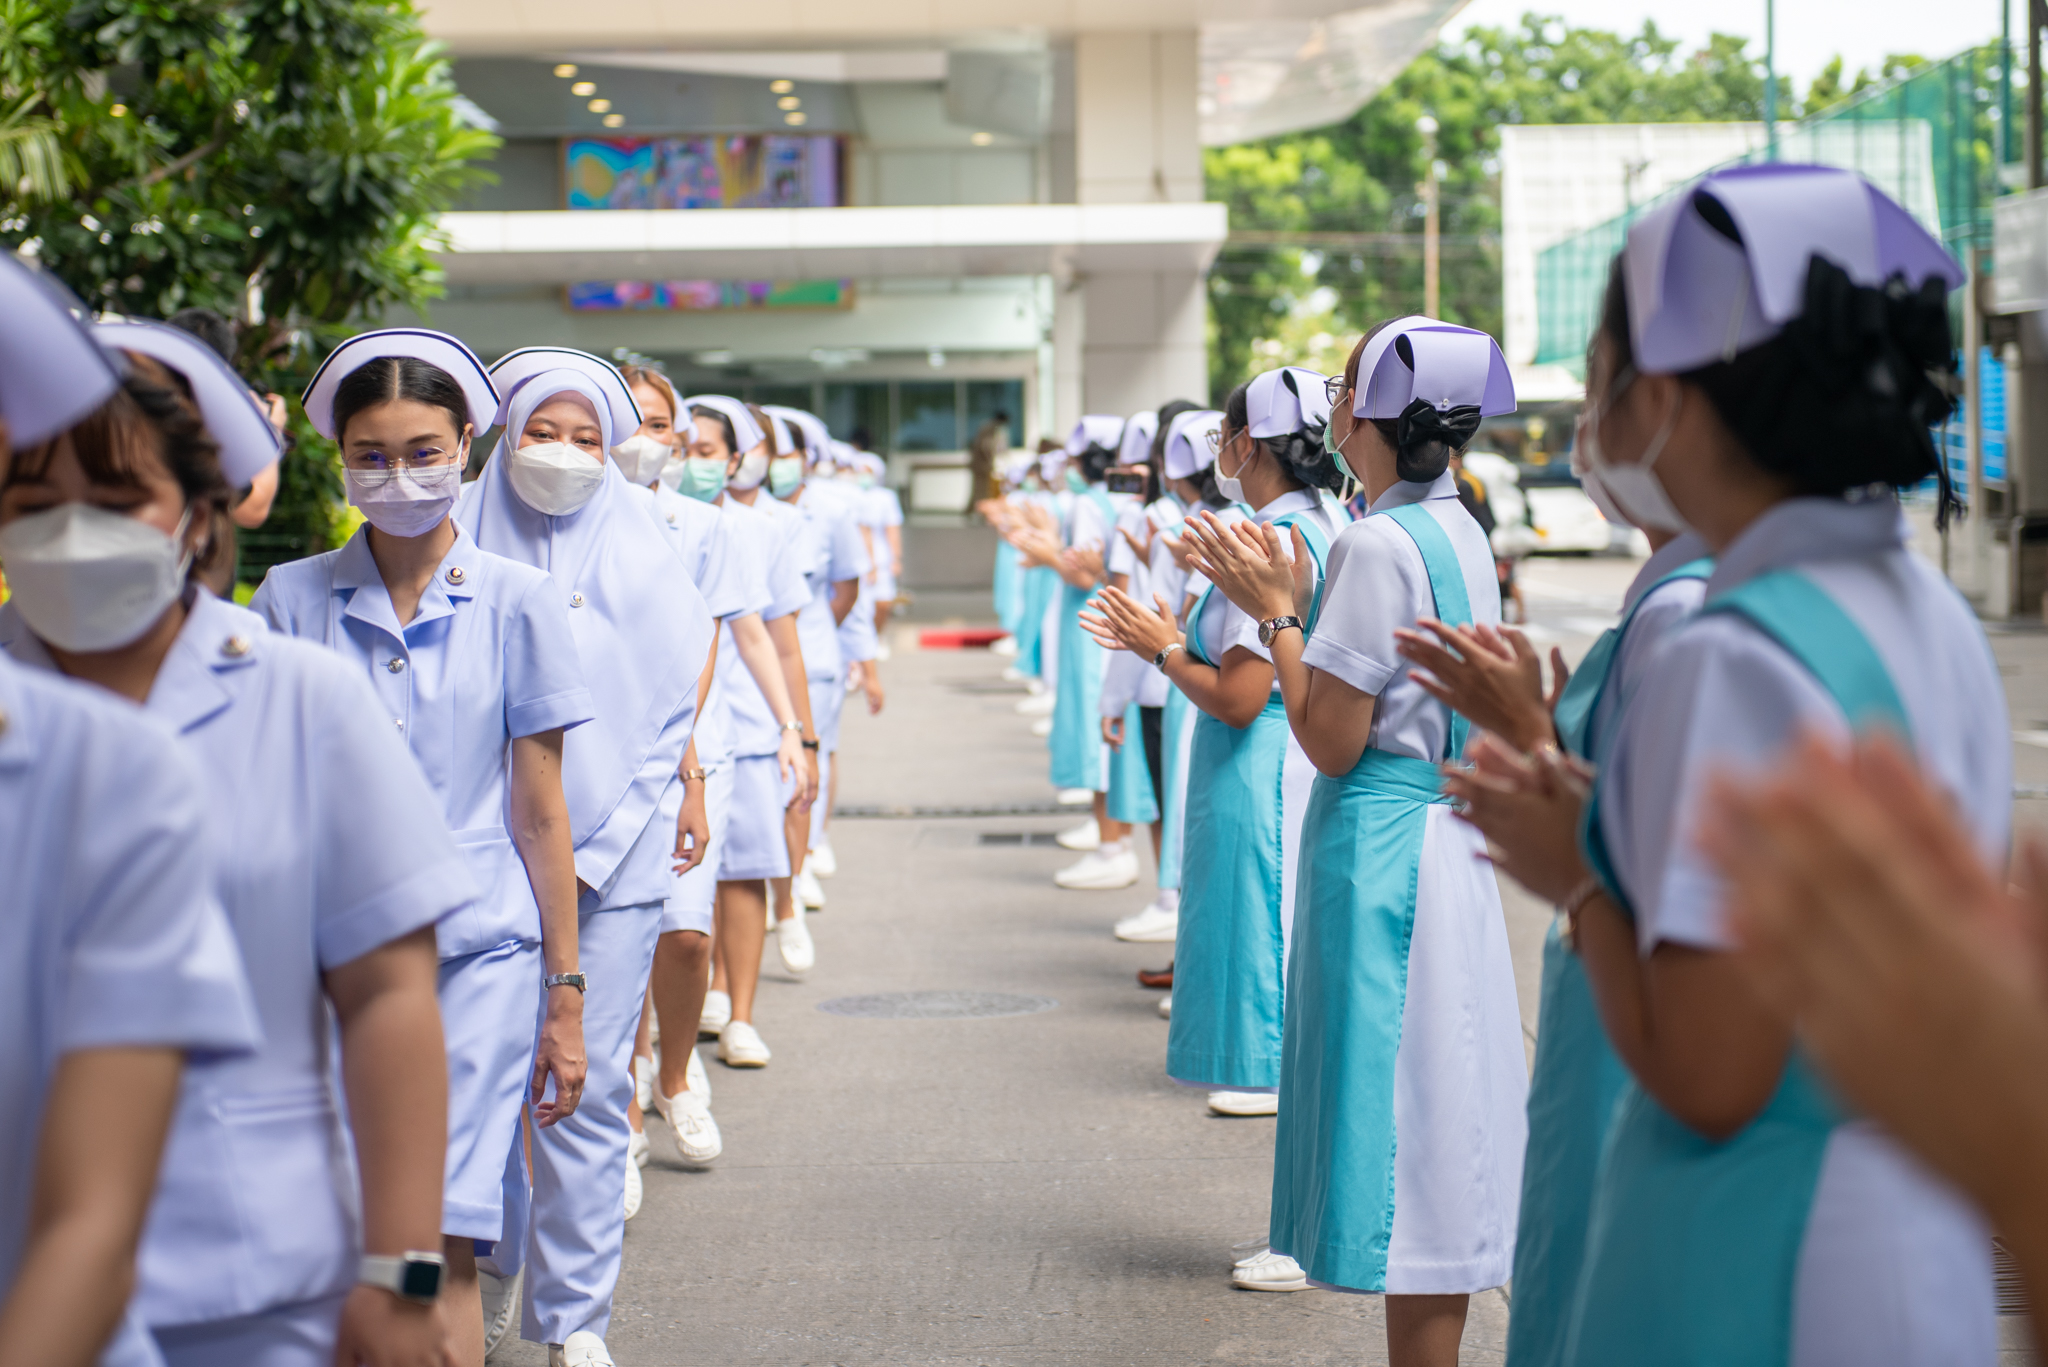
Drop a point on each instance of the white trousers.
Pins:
(576, 1229)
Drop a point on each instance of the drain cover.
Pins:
(937, 1006)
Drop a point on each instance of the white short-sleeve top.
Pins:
(326, 843)
(487, 658)
(771, 530)
(829, 550)
(102, 838)
(1223, 624)
(701, 536)
(1376, 584)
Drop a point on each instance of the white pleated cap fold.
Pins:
(745, 429)
(1696, 297)
(517, 368)
(1444, 365)
(246, 439)
(424, 344)
(1135, 446)
(52, 372)
(817, 437)
(1097, 429)
(1290, 399)
(1187, 443)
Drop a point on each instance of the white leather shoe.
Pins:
(637, 1148)
(1166, 1006)
(1152, 926)
(740, 1046)
(717, 1011)
(1074, 797)
(584, 1349)
(1245, 1103)
(1269, 1271)
(1082, 838)
(793, 942)
(1038, 704)
(809, 891)
(643, 1080)
(1005, 646)
(501, 1304)
(1100, 871)
(697, 1077)
(689, 1119)
(635, 1189)
(823, 862)
(1042, 728)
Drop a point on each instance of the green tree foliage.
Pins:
(1327, 225)
(279, 161)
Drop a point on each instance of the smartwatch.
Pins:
(1273, 626)
(412, 1275)
(576, 980)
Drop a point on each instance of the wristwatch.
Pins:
(809, 744)
(412, 1275)
(1159, 660)
(1273, 626)
(795, 726)
(578, 981)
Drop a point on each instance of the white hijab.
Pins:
(642, 630)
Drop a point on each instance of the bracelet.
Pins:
(1575, 902)
(695, 775)
(795, 726)
(808, 744)
(1159, 660)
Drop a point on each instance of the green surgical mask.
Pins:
(703, 478)
(1075, 482)
(785, 473)
(1332, 445)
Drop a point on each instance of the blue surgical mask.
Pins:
(1074, 481)
(785, 473)
(702, 478)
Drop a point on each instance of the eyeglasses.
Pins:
(1213, 439)
(1335, 388)
(427, 457)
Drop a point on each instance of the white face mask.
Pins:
(753, 469)
(1230, 486)
(405, 502)
(1595, 487)
(642, 457)
(554, 477)
(1636, 487)
(87, 579)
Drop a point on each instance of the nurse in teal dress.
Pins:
(1397, 1163)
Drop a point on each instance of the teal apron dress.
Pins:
(1076, 742)
(1693, 1246)
(1130, 775)
(1175, 733)
(1009, 588)
(1576, 1079)
(1229, 955)
(1361, 857)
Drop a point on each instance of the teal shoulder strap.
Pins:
(1800, 616)
(1446, 585)
(1318, 551)
(1582, 692)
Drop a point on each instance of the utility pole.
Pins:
(2034, 18)
(1432, 243)
(1771, 77)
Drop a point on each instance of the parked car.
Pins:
(1565, 520)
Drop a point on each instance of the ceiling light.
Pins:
(781, 87)
(789, 102)
(566, 70)
(982, 139)
(795, 119)
(614, 120)
(600, 106)
(583, 88)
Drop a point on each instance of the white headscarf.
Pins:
(641, 629)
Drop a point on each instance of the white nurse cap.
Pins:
(1290, 399)
(246, 439)
(1697, 296)
(1135, 446)
(817, 437)
(1187, 442)
(52, 373)
(421, 344)
(1097, 429)
(745, 429)
(1444, 366)
(515, 368)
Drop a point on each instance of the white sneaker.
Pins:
(1038, 704)
(635, 1189)
(823, 862)
(1153, 926)
(793, 940)
(1245, 1103)
(689, 1118)
(740, 1046)
(1100, 871)
(1075, 797)
(1004, 646)
(1082, 838)
(882, 651)
(584, 1349)
(1043, 728)
(1166, 1006)
(809, 891)
(1269, 1271)
(643, 1080)
(697, 1077)
(637, 1148)
(501, 1304)
(717, 1011)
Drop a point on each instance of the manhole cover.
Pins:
(937, 1006)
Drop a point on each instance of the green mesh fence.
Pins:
(1928, 138)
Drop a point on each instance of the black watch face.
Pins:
(419, 1281)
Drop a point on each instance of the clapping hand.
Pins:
(1491, 675)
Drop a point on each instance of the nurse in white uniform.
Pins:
(472, 652)
(1772, 353)
(254, 1250)
(548, 497)
(1398, 1158)
(128, 964)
